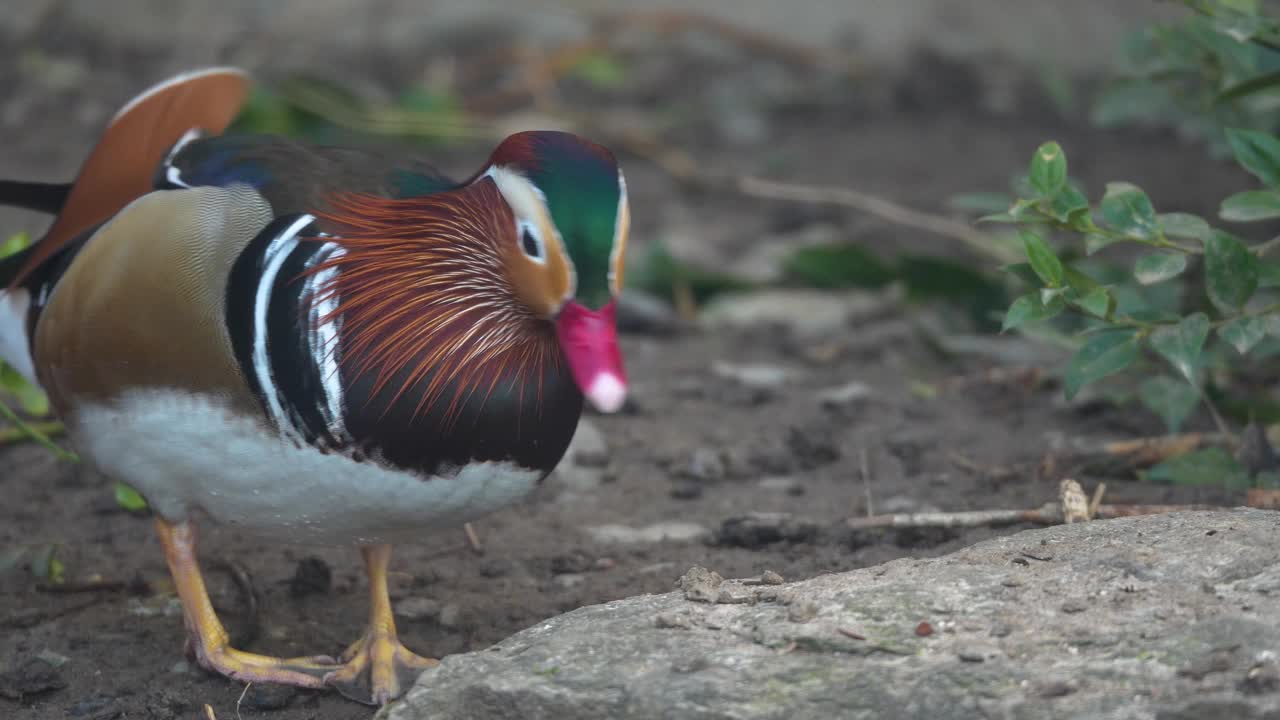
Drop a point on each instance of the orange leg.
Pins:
(208, 638)
(377, 667)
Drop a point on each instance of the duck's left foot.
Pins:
(377, 669)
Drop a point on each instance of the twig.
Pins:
(244, 583)
(208, 712)
(878, 206)
(32, 432)
(473, 539)
(241, 699)
(1096, 501)
(18, 434)
(1144, 452)
(1049, 514)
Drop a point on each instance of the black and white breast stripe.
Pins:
(289, 359)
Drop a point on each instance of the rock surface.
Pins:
(1159, 617)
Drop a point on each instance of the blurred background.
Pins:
(813, 316)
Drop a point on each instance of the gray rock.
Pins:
(1175, 628)
(805, 312)
(754, 376)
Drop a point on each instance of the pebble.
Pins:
(754, 376)
(571, 563)
(588, 447)
(700, 584)
(673, 619)
(1075, 606)
(973, 654)
(756, 530)
(783, 484)
(735, 594)
(675, 531)
(706, 465)
(769, 577)
(684, 489)
(844, 395)
(569, 580)
(645, 314)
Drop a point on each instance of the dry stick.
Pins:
(473, 539)
(866, 478)
(1096, 501)
(1049, 514)
(874, 205)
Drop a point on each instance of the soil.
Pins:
(694, 448)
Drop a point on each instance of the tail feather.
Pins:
(41, 197)
(122, 167)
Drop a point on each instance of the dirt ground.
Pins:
(697, 448)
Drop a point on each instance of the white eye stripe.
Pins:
(531, 241)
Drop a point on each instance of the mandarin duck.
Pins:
(316, 344)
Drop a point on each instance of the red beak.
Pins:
(590, 341)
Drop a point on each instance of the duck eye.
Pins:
(530, 244)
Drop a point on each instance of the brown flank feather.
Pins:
(123, 164)
(422, 288)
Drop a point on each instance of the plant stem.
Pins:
(23, 429)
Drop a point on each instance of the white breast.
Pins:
(185, 452)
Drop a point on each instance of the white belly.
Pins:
(185, 452)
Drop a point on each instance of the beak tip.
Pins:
(607, 392)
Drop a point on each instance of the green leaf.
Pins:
(1212, 467)
(1043, 260)
(1170, 398)
(1251, 205)
(1016, 213)
(33, 400)
(1097, 302)
(1104, 354)
(1030, 308)
(128, 498)
(1231, 271)
(1184, 225)
(1255, 84)
(1127, 209)
(1181, 344)
(1070, 207)
(1258, 152)
(14, 243)
(1093, 242)
(1244, 332)
(604, 71)
(1048, 169)
(1023, 272)
(1158, 267)
(1078, 281)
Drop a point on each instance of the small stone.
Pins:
(1260, 680)
(417, 609)
(569, 580)
(754, 376)
(644, 314)
(1001, 630)
(700, 584)
(769, 577)
(311, 576)
(676, 620)
(706, 465)
(735, 594)
(785, 485)
(494, 568)
(265, 696)
(1074, 606)
(813, 447)
(1055, 688)
(588, 447)
(575, 562)
(757, 530)
(924, 629)
(684, 489)
(450, 616)
(53, 658)
(971, 656)
(718, 619)
(180, 667)
(844, 395)
(802, 612)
